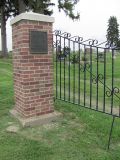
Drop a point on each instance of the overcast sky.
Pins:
(94, 15)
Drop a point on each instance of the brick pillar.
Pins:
(33, 72)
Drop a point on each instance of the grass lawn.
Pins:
(80, 135)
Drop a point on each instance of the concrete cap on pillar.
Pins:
(33, 17)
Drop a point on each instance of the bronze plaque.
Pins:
(38, 42)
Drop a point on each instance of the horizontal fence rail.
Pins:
(87, 73)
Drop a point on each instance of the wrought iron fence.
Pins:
(87, 73)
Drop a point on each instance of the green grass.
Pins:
(80, 135)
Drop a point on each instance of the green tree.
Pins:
(42, 6)
(6, 8)
(113, 30)
(10, 8)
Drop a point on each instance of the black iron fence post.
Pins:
(111, 129)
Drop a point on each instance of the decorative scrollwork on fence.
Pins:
(84, 67)
(95, 80)
(93, 42)
(74, 38)
(66, 35)
(111, 45)
(78, 39)
(112, 92)
(57, 32)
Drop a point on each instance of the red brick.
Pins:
(33, 73)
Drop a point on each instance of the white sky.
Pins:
(94, 15)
